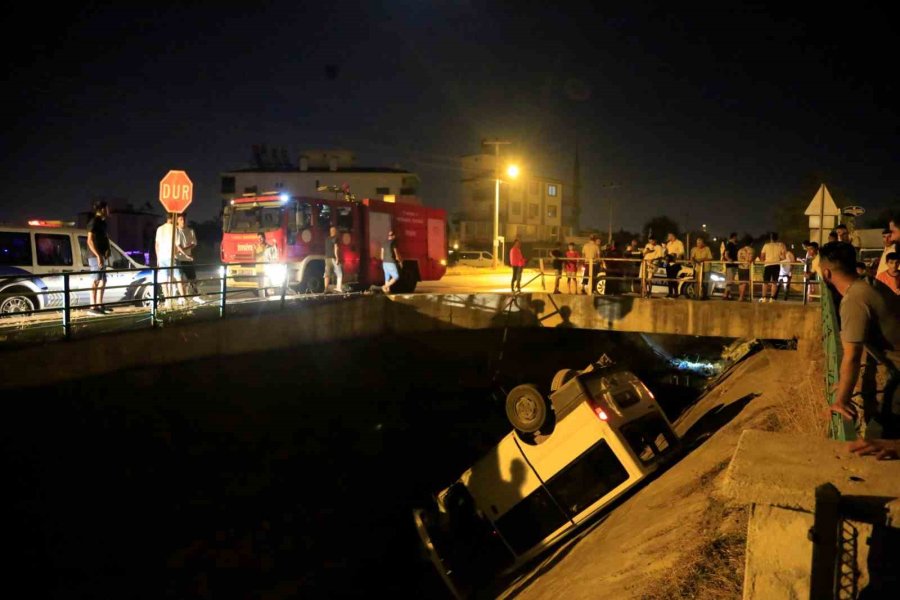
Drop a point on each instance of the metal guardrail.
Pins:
(706, 277)
(57, 295)
(840, 428)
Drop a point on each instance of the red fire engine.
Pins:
(298, 227)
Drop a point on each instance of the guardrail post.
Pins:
(67, 308)
(541, 267)
(154, 305)
(223, 289)
(284, 285)
(751, 280)
(591, 276)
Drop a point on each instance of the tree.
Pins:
(660, 226)
(791, 223)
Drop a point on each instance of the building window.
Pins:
(407, 191)
(551, 211)
(383, 191)
(251, 190)
(552, 190)
(554, 232)
(516, 209)
(533, 210)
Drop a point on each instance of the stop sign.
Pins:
(176, 191)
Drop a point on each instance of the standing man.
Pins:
(772, 254)
(590, 252)
(891, 276)
(869, 320)
(186, 242)
(653, 253)
(890, 245)
(390, 259)
(786, 273)
(729, 255)
(745, 264)
(265, 254)
(98, 244)
(333, 260)
(701, 254)
(165, 262)
(811, 266)
(557, 255)
(517, 261)
(674, 253)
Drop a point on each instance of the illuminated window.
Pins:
(551, 211)
(552, 190)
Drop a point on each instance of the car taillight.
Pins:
(601, 414)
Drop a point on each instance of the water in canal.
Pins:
(274, 475)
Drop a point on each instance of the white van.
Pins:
(33, 257)
(600, 434)
(474, 258)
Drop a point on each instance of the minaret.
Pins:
(576, 193)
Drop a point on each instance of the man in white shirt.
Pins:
(653, 253)
(590, 252)
(674, 253)
(785, 273)
(164, 247)
(772, 255)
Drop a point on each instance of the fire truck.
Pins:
(298, 227)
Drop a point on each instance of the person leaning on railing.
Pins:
(870, 321)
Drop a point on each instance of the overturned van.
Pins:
(569, 456)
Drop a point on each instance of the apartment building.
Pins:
(531, 206)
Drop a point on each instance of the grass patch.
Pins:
(714, 568)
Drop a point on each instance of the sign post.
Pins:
(176, 191)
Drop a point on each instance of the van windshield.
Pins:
(254, 218)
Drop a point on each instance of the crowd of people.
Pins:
(667, 263)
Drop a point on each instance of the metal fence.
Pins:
(56, 300)
(648, 278)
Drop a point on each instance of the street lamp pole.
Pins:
(496, 243)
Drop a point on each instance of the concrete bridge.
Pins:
(332, 319)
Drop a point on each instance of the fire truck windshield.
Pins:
(254, 218)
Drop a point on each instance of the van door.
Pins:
(578, 463)
(54, 254)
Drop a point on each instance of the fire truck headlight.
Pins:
(221, 272)
(276, 273)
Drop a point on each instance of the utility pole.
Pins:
(496, 243)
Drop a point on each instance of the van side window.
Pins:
(15, 249)
(53, 249)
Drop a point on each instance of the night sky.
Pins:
(717, 113)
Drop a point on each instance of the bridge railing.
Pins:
(63, 296)
(706, 278)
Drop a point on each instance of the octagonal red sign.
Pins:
(176, 190)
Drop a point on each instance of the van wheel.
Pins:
(313, 279)
(526, 408)
(12, 305)
(561, 377)
(409, 277)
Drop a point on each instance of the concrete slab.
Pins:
(784, 469)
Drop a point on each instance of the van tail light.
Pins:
(601, 414)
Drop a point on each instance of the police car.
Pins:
(34, 258)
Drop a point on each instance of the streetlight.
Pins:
(512, 171)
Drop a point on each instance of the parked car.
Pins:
(33, 259)
(569, 456)
(475, 258)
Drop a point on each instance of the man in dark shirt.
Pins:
(98, 245)
(557, 255)
(731, 266)
(390, 258)
(870, 320)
